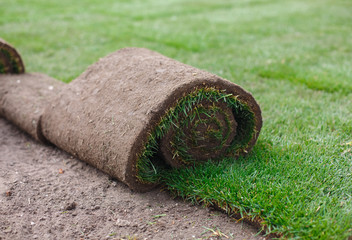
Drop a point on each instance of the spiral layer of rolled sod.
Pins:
(135, 113)
(10, 59)
(207, 124)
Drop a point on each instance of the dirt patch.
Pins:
(55, 196)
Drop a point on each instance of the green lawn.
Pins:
(295, 57)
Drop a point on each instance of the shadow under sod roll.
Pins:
(136, 112)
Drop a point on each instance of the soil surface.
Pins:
(47, 194)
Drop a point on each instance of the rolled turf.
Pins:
(136, 113)
(10, 59)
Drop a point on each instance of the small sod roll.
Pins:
(10, 59)
(135, 113)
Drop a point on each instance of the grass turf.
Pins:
(293, 55)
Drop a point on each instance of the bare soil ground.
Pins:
(47, 194)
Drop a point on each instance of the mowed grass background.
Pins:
(295, 56)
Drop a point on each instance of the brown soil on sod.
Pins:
(40, 201)
(23, 98)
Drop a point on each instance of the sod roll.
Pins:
(134, 114)
(10, 59)
(135, 109)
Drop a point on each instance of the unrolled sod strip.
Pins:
(136, 112)
(23, 98)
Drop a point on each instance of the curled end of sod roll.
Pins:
(136, 113)
(10, 59)
(209, 121)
